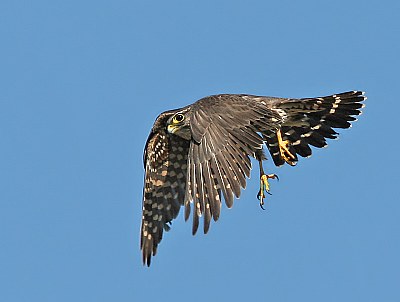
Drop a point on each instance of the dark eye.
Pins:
(179, 118)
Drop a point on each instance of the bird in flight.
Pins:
(200, 153)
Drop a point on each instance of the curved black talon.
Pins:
(261, 200)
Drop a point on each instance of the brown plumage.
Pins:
(199, 153)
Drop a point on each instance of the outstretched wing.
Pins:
(164, 190)
(226, 130)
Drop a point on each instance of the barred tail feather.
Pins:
(310, 122)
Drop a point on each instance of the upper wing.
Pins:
(164, 189)
(226, 130)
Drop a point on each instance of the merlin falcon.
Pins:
(198, 155)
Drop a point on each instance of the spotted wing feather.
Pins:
(164, 189)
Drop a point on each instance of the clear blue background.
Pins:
(81, 83)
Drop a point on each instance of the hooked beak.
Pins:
(172, 128)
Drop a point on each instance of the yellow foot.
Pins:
(264, 187)
(284, 150)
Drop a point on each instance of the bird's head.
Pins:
(179, 124)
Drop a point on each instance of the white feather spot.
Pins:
(316, 127)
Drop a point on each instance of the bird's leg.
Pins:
(284, 150)
(264, 184)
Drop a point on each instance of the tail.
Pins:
(310, 121)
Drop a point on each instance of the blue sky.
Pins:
(81, 85)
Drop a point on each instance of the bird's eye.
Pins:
(178, 118)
